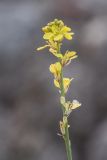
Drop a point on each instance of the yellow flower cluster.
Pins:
(57, 31)
(54, 33)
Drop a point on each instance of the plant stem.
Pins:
(67, 142)
(66, 136)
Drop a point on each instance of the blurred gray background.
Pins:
(29, 104)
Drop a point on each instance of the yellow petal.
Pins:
(59, 37)
(43, 47)
(54, 28)
(52, 68)
(68, 36)
(70, 54)
(45, 29)
(48, 35)
(58, 66)
(55, 69)
(56, 83)
(61, 22)
(66, 82)
(65, 29)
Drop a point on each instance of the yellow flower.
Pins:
(75, 104)
(69, 106)
(56, 70)
(54, 33)
(69, 55)
(57, 31)
(66, 83)
(56, 83)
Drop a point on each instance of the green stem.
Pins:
(62, 90)
(67, 142)
(66, 136)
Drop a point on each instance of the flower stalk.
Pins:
(66, 136)
(54, 33)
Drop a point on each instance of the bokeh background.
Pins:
(29, 104)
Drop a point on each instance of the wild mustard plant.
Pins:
(54, 34)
